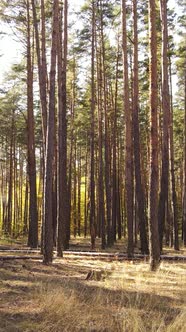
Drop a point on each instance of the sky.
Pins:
(10, 49)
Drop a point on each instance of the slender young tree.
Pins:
(153, 187)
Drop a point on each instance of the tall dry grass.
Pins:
(131, 299)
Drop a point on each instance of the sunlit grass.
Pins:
(129, 299)
(58, 298)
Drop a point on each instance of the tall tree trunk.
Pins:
(62, 242)
(163, 199)
(107, 153)
(25, 218)
(153, 187)
(92, 179)
(137, 149)
(8, 222)
(48, 180)
(43, 86)
(55, 187)
(21, 188)
(100, 93)
(115, 198)
(33, 214)
(42, 68)
(184, 186)
(85, 196)
(14, 220)
(128, 129)
(75, 191)
(101, 215)
(173, 181)
(79, 193)
(70, 187)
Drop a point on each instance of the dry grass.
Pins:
(129, 298)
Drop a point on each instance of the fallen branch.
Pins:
(86, 255)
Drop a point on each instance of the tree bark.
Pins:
(163, 198)
(42, 68)
(8, 223)
(173, 181)
(137, 149)
(48, 179)
(33, 213)
(92, 179)
(128, 133)
(62, 242)
(184, 185)
(153, 186)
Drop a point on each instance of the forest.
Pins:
(93, 165)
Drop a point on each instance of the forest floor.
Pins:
(84, 294)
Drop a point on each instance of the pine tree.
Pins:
(153, 192)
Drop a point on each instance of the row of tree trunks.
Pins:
(114, 197)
